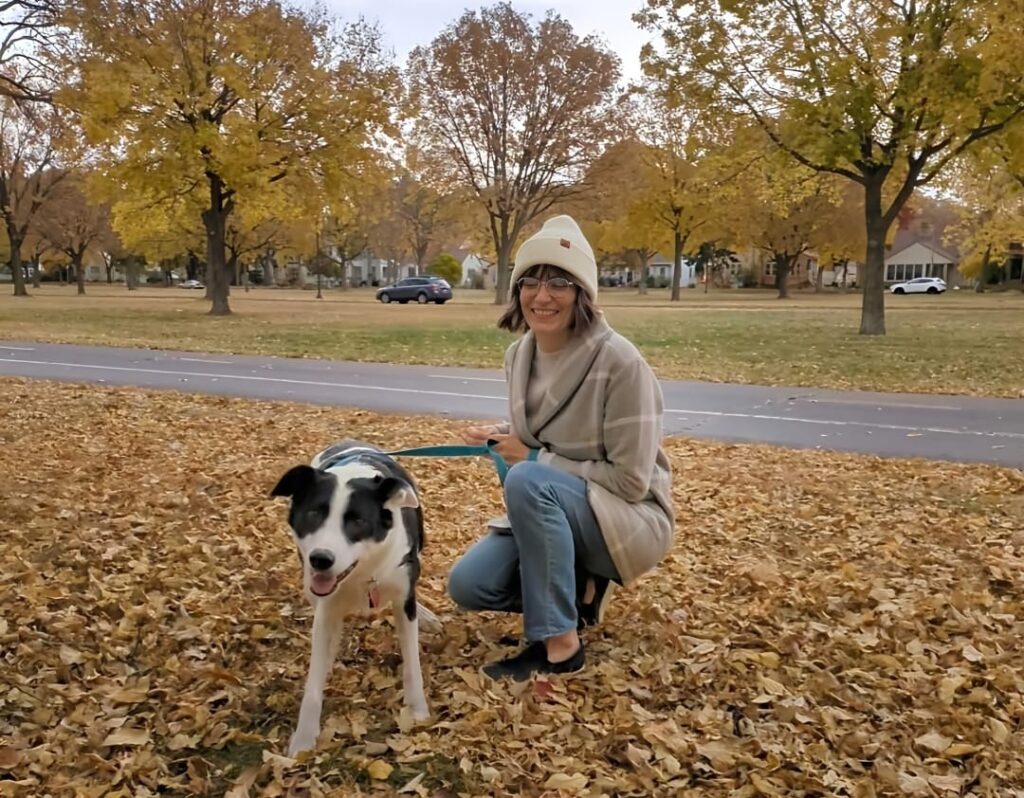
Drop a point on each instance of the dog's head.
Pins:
(339, 517)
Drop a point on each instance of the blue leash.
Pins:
(444, 450)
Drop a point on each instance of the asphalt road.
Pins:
(958, 428)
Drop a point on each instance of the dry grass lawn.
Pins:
(959, 343)
(826, 625)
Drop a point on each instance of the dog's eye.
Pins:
(315, 513)
(356, 526)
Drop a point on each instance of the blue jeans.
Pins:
(538, 567)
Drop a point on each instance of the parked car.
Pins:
(920, 285)
(191, 284)
(422, 289)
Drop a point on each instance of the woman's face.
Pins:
(547, 297)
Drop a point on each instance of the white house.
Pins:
(97, 273)
(659, 269)
(366, 269)
(921, 259)
(477, 271)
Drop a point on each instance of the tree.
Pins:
(713, 260)
(234, 101)
(779, 206)
(991, 202)
(29, 171)
(684, 171)
(446, 266)
(885, 93)
(840, 237)
(519, 111)
(71, 224)
(150, 225)
(27, 29)
(616, 215)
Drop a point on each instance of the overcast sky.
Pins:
(408, 23)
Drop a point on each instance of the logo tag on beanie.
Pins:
(565, 243)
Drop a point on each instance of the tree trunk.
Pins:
(37, 278)
(819, 277)
(504, 240)
(79, 272)
(782, 263)
(677, 266)
(215, 220)
(980, 287)
(501, 284)
(846, 271)
(642, 256)
(872, 316)
(17, 272)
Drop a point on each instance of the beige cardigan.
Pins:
(602, 420)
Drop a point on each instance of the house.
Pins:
(97, 273)
(659, 272)
(921, 258)
(761, 262)
(842, 276)
(478, 273)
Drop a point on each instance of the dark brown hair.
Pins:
(583, 313)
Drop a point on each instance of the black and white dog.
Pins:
(359, 530)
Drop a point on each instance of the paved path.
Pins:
(900, 425)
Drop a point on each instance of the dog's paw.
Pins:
(302, 740)
(411, 716)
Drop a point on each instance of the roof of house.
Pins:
(907, 243)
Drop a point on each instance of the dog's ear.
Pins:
(397, 493)
(296, 481)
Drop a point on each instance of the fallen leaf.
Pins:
(998, 731)
(379, 769)
(9, 757)
(719, 753)
(240, 786)
(933, 742)
(70, 656)
(127, 736)
(569, 782)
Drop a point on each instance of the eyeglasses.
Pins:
(555, 285)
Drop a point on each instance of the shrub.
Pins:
(445, 266)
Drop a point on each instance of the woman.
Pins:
(588, 495)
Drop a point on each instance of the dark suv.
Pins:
(422, 289)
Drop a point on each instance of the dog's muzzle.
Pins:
(321, 583)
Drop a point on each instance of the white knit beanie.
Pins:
(561, 243)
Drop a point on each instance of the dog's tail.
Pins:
(428, 621)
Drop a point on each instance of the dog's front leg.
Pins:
(412, 675)
(326, 634)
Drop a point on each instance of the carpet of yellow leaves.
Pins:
(827, 625)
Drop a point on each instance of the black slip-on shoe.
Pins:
(534, 659)
(593, 613)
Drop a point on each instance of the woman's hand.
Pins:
(479, 435)
(511, 448)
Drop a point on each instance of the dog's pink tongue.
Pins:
(322, 584)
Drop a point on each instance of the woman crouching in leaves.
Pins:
(588, 497)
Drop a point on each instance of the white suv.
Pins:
(920, 285)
